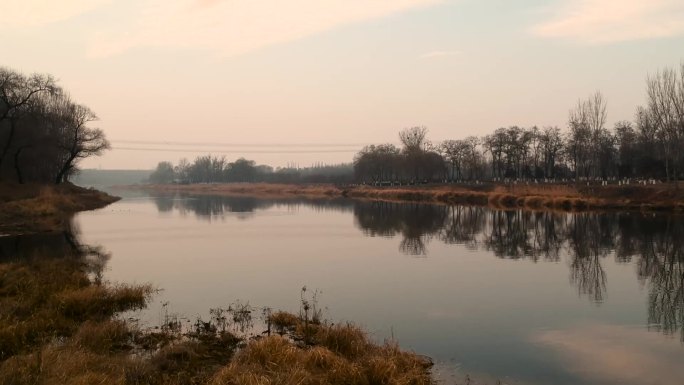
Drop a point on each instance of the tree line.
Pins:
(217, 169)
(44, 134)
(648, 148)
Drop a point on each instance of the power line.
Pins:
(233, 151)
(218, 144)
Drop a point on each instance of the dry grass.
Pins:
(251, 189)
(104, 337)
(346, 340)
(63, 365)
(340, 355)
(283, 322)
(40, 208)
(57, 327)
(44, 299)
(96, 302)
(565, 197)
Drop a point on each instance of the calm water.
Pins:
(527, 298)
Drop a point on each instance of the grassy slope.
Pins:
(568, 197)
(29, 208)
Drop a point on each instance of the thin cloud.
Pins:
(613, 353)
(611, 21)
(233, 27)
(438, 54)
(36, 13)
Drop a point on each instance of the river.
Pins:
(517, 296)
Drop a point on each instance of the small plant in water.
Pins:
(309, 311)
(242, 316)
(218, 316)
(170, 323)
(266, 313)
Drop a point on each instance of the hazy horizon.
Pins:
(313, 81)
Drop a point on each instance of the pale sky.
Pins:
(301, 81)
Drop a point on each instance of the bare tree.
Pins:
(495, 145)
(596, 113)
(552, 147)
(579, 139)
(78, 141)
(16, 93)
(414, 141)
(413, 138)
(666, 109)
(453, 151)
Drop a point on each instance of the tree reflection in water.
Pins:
(417, 223)
(654, 241)
(64, 244)
(662, 266)
(211, 207)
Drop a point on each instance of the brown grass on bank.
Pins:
(565, 197)
(339, 354)
(251, 189)
(57, 327)
(283, 322)
(27, 208)
(44, 299)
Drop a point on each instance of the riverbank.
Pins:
(31, 208)
(61, 324)
(60, 327)
(564, 197)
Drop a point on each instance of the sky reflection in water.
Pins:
(525, 297)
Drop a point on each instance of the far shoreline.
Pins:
(567, 197)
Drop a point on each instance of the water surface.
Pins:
(524, 297)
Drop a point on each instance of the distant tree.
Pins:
(666, 112)
(182, 170)
(378, 163)
(416, 147)
(413, 138)
(595, 107)
(551, 141)
(453, 152)
(652, 159)
(432, 166)
(579, 140)
(242, 170)
(164, 173)
(201, 170)
(627, 147)
(495, 145)
(461, 155)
